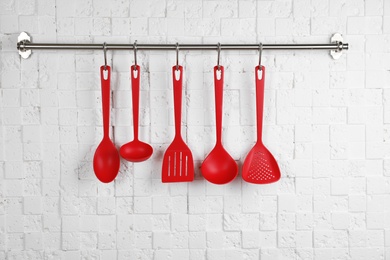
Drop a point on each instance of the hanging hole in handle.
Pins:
(135, 73)
(218, 74)
(260, 73)
(177, 74)
(105, 74)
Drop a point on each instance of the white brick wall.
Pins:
(327, 122)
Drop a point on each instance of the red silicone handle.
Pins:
(218, 88)
(135, 69)
(105, 98)
(177, 96)
(259, 99)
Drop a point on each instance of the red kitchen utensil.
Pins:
(135, 151)
(106, 159)
(178, 165)
(260, 166)
(219, 167)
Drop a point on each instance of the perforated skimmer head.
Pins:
(262, 169)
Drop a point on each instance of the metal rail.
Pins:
(25, 46)
(77, 46)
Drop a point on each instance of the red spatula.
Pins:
(178, 165)
(260, 167)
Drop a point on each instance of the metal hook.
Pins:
(105, 55)
(135, 54)
(260, 52)
(219, 54)
(177, 56)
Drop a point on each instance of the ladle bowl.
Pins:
(136, 151)
(219, 167)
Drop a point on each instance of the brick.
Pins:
(340, 220)
(288, 26)
(70, 223)
(70, 241)
(106, 241)
(14, 223)
(108, 223)
(303, 239)
(162, 240)
(366, 25)
(13, 187)
(268, 221)
(16, 240)
(142, 205)
(142, 240)
(286, 203)
(357, 203)
(33, 241)
(274, 8)
(375, 220)
(375, 203)
(323, 25)
(123, 222)
(88, 223)
(88, 240)
(9, 23)
(374, 8)
(197, 240)
(106, 205)
(304, 221)
(329, 238)
(13, 170)
(375, 238)
(286, 221)
(180, 241)
(143, 222)
(346, 8)
(52, 241)
(386, 24)
(161, 205)
(32, 205)
(219, 10)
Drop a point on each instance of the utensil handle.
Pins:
(105, 82)
(177, 97)
(218, 88)
(135, 96)
(259, 99)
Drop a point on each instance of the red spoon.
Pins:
(260, 167)
(106, 159)
(219, 167)
(135, 151)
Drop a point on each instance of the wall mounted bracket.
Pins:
(24, 39)
(337, 38)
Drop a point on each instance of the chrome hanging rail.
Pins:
(25, 46)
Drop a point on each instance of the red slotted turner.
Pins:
(260, 167)
(178, 165)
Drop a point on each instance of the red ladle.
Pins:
(106, 159)
(219, 167)
(135, 151)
